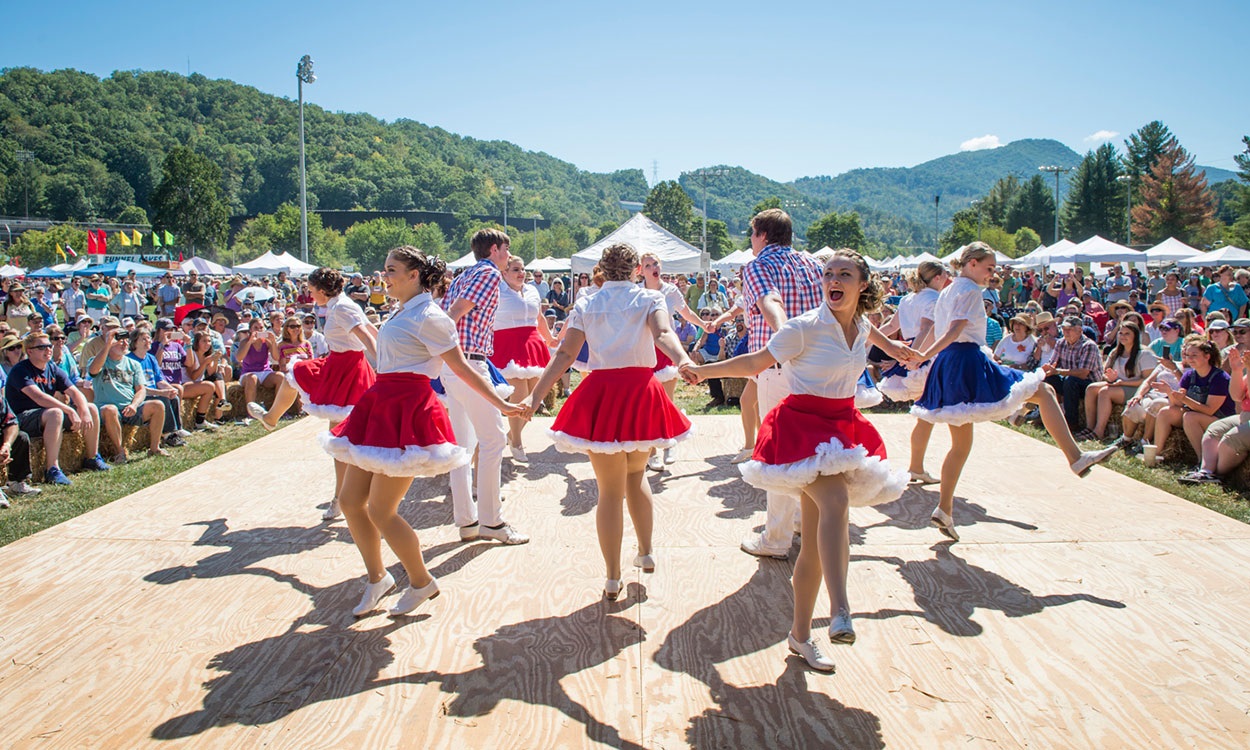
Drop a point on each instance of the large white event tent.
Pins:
(273, 263)
(464, 261)
(1002, 258)
(548, 265)
(733, 261)
(1042, 255)
(9, 271)
(916, 260)
(204, 267)
(1227, 255)
(676, 255)
(1170, 250)
(1097, 249)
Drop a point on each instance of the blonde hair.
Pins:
(975, 251)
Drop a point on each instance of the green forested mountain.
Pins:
(96, 147)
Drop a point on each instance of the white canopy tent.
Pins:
(205, 267)
(733, 261)
(1003, 258)
(916, 260)
(273, 263)
(877, 265)
(676, 255)
(1229, 254)
(1170, 250)
(548, 265)
(1098, 249)
(11, 272)
(464, 261)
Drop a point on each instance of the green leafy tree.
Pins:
(767, 203)
(36, 249)
(368, 242)
(837, 231)
(1239, 232)
(279, 232)
(132, 215)
(606, 228)
(430, 238)
(718, 242)
(999, 239)
(1095, 203)
(1033, 207)
(1175, 201)
(669, 206)
(188, 200)
(1025, 241)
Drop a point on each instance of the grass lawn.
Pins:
(90, 490)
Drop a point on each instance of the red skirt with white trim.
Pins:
(398, 428)
(665, 370)
(808, 436)
(330, 386)
(520, 353)
(624, 409)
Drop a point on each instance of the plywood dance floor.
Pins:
(213, 610)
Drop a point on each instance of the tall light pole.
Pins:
(506, 190)
(1056, 171)
(535, 217)
(26, 156)
(1127, 182)
(304, 73)
(703, 174)
(977, 206)
(937, 236)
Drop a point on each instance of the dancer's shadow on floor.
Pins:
(949, 591)
(580, 496)
(913, 509)
(267, 680)
(740, 500)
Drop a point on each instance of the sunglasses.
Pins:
(14, 348)
(36, 347)
(295, 325)
(57, 338)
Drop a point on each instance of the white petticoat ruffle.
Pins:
(319, 411)
(866, 398)
(504, 390)
(567, 443)
(666, 374)
(907, 387)
(869, 480)
(413, 461)
(513, 370)
(993, 411)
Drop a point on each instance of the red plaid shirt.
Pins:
(780, 270)
(479, 285)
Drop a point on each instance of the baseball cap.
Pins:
(1169, 324)
(165, 324)
(1073, 321)
(1218, 325)
(109, 321)
(1241, 323)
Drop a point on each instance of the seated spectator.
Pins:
(172, 356)
(1016, 350)
(159, 388)
(14, 454)
(1143, 408)
(318, 339)
(993, 326)
(1169, 342)
(293, 346)
(34, 323)
(203, 380)
(1189, 322)
(708, 343)
(82, 330)
(1125, 368)
(62, 358)
(10, 353)
(254, 352)
(1076, 362)
(687, 332)
(1226, 442)
(35, 390)
(96, 344)
(122, 398)
(1202, 397)
(1221, 334)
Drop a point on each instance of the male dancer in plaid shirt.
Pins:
(777, 285)
(470, 302)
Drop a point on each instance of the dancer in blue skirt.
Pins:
(966, 386)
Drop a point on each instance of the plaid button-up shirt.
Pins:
(1083, 355)
(792, 276)
(479, 285)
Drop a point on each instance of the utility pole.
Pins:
(703, 174)
(937, 236)
(26, 156)
(1127, 182)
(1056, 171)
(303, 72)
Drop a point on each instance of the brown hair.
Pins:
(429, 267)
(870, 299)
(1204, 345)
(483, 240)
(1130, 356)
(618, 262)
(775, 225)
(927, 271)
(329, 281)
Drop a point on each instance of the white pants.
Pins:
(477, 424)
(783, 509)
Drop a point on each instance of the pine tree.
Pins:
(998, 200)
(1033, 207)
(1095, 201)
(1145, 147)
(1174, 201)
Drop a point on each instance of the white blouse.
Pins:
(1015, 352)
(961, 300)
(517, 309)
(414, 337)
(673, 298)
(914, 308)
(614, 320)
(343, 315)
(816, 359)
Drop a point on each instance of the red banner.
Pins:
(90, 242)
(101, 242)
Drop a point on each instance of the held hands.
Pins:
(516, 410)
(690, 373)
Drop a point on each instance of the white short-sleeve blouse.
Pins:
(614, 320)
(414, 337)
(815, 356)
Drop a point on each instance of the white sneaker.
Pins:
(656, 462)
(22, 488)
(841, 630)
(4, 501)
(518, 454)
(412, 598)
(469, 533)
(207, 426)
(646, 562)
(754, 545)
(1082, 465)
(373, 594)
(504, 534)
(668, 455)
(182, 433)
(810, 653)
(333, 512)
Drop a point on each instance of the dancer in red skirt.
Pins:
(522, 343)
(619, 413)
(399, 429)
(665, 370)
(816, 442)
(328, 387)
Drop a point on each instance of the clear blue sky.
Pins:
(786, 90)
